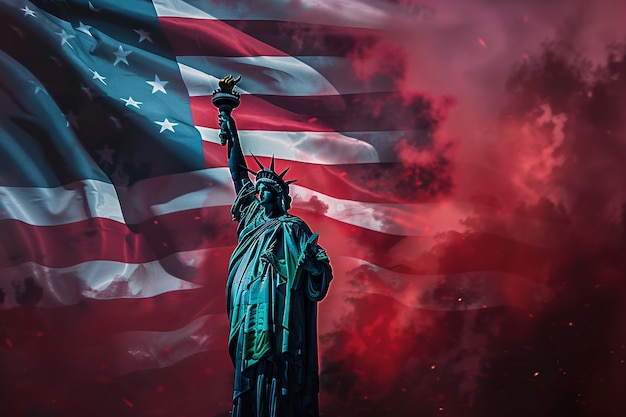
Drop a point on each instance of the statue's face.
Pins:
(269, 199)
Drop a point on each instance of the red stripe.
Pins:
(454, 253)
(366, 112)
(308, 39)
(104, 239)
(66, 245)
(79, 385)
(201, 385)
(370, 183)
(94, 321)
(258, 114)
(239, 38)
(207, 37)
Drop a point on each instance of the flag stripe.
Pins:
(338, 113)
(400, 219)
(286, 76)
(70, 244)
(323, 148)
(318, 148)
(307, 38)
(102, 319)
(187, 388)
(140, 350)
(247, 38)
(178, 224)
(134, 350)
(347, 13)
(469, 290)
(103, 280)
(212, 38)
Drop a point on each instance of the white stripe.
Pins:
(179, 8)
(279, 75)
(327, 148)
(320, 147)
(131, 205)
(140, 350)
(103, 280)
(284, 75)
(50, 206)
(172, 193)
(349, 13)
(451, 292)
(425, 219)
(213, 188)
(143, 350)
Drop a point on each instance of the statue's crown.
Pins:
(269, 176)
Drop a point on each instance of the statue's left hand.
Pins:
(312, 262)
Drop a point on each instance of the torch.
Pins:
(226, 99)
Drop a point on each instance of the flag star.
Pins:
(118, 176)
(120, 55)
(98, 77)
(28, 12)
(131, 102)
(84, 28)
(18, 31)
(116, 122)
(166, 125)
(56, 60)
(143, 35)
(64, 37)
(87, 91)
(92, 8)
(106, 154)
(38, 87)
(158, 85)
(72, 118)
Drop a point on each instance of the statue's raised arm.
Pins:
(276, 276)
(226, 98)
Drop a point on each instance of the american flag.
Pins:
(115, 209)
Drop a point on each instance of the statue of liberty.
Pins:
(277, 274)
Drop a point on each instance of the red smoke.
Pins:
(533, 147)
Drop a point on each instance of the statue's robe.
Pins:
(272, 308)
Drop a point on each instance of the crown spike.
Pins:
(257, 161)
(290, 182)
(272, 163)
(247, 169)
(282, 174)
